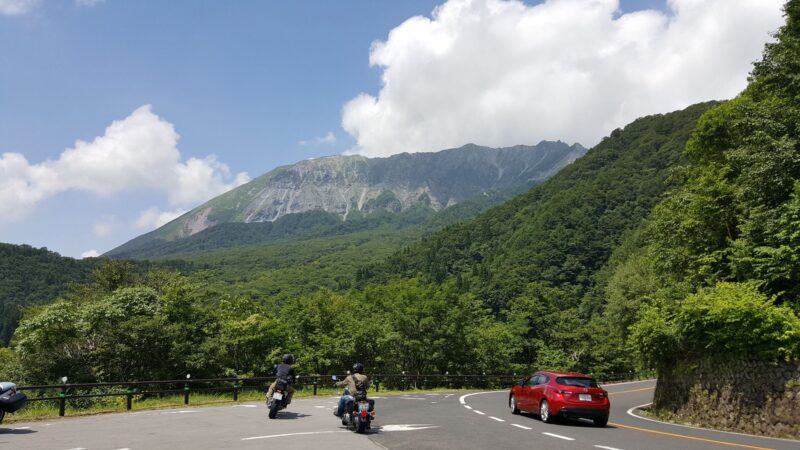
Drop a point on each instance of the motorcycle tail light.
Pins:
(363, 414)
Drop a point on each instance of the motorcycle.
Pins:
(10, 400)
(278, 400)
(359, 412)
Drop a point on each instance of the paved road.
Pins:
(433, 421)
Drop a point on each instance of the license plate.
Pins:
(585, 397)
(277, 396)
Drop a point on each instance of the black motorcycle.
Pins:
(10, 400)
(360, 411)
(278, 400)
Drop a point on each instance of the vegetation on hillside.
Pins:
(722, 251)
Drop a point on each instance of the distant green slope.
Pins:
(305, 199)
(31, 276)
(561, 232)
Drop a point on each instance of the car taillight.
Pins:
(563, 392)
(601, 394)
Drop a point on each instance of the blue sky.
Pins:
(256, 83)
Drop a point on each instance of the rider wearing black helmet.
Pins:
(350, 381)
(284, 371)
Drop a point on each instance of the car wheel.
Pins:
(600, 421)
(544, 412)
(512, 403)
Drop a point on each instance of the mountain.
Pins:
(31, 276)
(335, 194)
(561, 233)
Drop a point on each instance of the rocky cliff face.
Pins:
(346, 184)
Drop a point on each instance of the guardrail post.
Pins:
(315, 385)
(62, 401)
(129, 398)
(377, 385)
(186, 390)
(236, 391)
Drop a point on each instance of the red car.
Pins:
(557, 394)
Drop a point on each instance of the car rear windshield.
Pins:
(575, 381)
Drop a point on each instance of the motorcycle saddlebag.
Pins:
(13, 402)
(281, 384)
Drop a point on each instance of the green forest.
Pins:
(676, 235)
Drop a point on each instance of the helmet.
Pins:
(358, 368)
(288, 358)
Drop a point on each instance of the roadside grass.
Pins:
(48, 410)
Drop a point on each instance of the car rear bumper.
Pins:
(582, 413)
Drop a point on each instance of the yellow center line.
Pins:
(647, 430)
(632, 390)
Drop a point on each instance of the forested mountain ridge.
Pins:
(30, 276)
(355, 187)
(561, 232)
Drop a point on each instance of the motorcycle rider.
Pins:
(350, 381)
(284, 371)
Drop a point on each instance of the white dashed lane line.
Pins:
(558, 436)
(521, 426)
(467, 406)
(479, 412)
(496, 418)
(606, 448)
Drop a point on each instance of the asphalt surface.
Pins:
(476, 420)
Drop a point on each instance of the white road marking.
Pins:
(479, 412)
(558, 436)
(631, 413)
(22, 428)
(496, 418)
(467, 406)
(627, 382)
(320, 407)
(179, 412)
(77, 448)
(292, 434)
(463, 401)
(434, 402)
(245, 406)
(412, 398)
(408, 427)
(521, 426)
(606, 448)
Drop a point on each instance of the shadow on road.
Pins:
(584, 423)
(14, 431)
(291, 415)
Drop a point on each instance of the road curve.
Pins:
(476, 420)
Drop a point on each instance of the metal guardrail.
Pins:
(62, 393)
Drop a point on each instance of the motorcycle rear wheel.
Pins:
(361, 425)
(273, 410)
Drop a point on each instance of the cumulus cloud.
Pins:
(502, 73)
(88, 3)
(17, 7)
(328, 139)
(135, 153)
(153, 218)
(90, 254)
(104, 228)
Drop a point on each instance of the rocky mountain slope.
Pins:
(354, 187)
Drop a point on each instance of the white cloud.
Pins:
(17, 7)
(138, 152)
(328, 139)
(105, 228)
(88, 3)
(153, 218)
(90, 254)
(502, 72)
